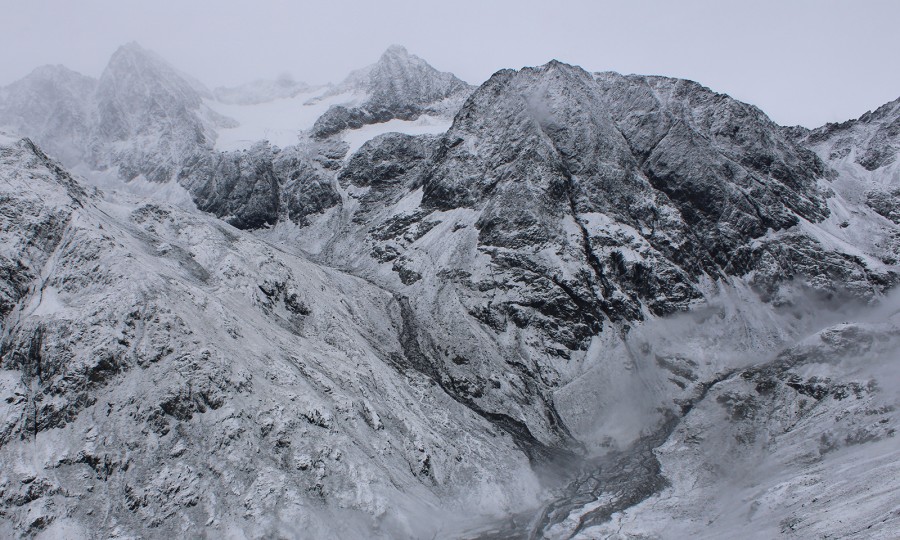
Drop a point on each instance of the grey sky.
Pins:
(802, 61)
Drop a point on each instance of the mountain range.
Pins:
(560, 304)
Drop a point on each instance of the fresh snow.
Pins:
(48, 302)
(279, 121)
(137, 189)
(424, 125)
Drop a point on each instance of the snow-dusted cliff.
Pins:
(163, 372)
(398, 86)
(591, 304)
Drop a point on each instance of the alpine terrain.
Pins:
(560, 304)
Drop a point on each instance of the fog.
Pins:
(803, 62)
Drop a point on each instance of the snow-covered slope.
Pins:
(547, 304)
(863, 153)
(800, 445)
(282, 121)
(399, 86)
(163, 373)
(560, 211)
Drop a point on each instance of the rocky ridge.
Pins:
(580, 260)
(176, 372)
(398, 86)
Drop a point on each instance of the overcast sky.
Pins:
(803, 62)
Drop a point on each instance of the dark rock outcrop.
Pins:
(399, 86)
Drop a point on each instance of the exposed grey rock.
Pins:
(399, 86)
(183, 375)
(502, 303)
(255, 188)
(562, 208)
(874, 137)
(886, 203)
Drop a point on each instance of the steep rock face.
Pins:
(150, 118)
(694, 175)
(562, 208)
(398, 86)
(257, 188)
(726, 166)
(181, 374)
(873, 138)
(53, 105)
(46, 205)
(864, 154)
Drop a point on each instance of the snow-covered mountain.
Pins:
(873, 139)
(150, 118)
(586, 307)
(141, 118)
(54, 106)
(548, 221)
(399, 86)
(864, 151)
(173, 374)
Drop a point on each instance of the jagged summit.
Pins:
(864, 153)
(873, 138)
(398, 69)
(150, 116)
(585, 275)
(398, 86)
(395, 50)
(133, 71)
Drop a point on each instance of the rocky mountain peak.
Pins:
(398, 86)
(52, 105)
(395, 50)
(157, 111)
(139, 82)
(399, 76)
(872, 140)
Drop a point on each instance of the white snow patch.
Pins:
(48, 302)
(424, 125)
(138, 189)
(279, 121)
(409, 203)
